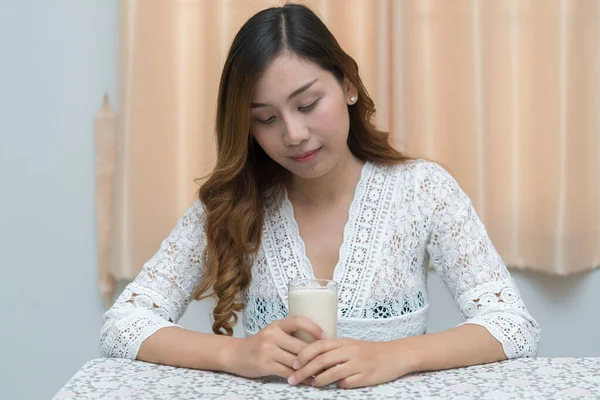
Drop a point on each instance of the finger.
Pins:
(298, 323)
(315, 349)
(281, 370)
(308, 381)
(320, 363)
(334, 374)
(291, 344)
(285, 358)
(350, 382)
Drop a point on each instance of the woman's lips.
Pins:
(306, 157)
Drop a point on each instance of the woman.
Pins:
(305, 186)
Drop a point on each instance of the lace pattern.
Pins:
(263, 304)
(498, 307)
(363, 237)
(161, 292)
(402, 217)
(531, 379)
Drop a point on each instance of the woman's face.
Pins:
(300, 116)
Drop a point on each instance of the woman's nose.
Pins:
(295, 133)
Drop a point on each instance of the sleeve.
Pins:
(464, 257)
(160, 293)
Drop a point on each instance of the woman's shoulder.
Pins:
(197, 208)
(419, 170)
(195, 215)
(423, 178)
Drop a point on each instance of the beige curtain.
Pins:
(504, 93)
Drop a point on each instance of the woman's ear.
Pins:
(350, 92)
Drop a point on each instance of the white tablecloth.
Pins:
(538, 378)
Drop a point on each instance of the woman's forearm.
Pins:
(462, 346)
(184, 348)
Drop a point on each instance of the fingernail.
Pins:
(323, 335)
(292, 380)
(296, 364)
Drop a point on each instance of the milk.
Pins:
(318, 305)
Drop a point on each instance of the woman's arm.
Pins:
(464, 257)
(356, 363)
(160, 293)
(184, 348)
(462, 346)
(142, 322)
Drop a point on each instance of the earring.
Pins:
(352, 99)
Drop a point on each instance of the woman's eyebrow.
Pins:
(291, 96)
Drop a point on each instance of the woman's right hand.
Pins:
(271, 351)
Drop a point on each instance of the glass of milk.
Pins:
(317, 300)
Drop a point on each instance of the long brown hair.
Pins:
(234, 192)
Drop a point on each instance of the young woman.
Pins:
(305, 186)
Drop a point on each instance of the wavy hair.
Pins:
(234, 192)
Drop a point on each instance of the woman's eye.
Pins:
(309, 107)
(265, 121)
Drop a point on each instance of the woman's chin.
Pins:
(308, 171)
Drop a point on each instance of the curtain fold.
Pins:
(503, 93)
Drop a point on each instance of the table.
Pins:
(537, 378)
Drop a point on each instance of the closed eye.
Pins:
(265, 121)
(309, 107)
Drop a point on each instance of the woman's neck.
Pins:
(338, 183)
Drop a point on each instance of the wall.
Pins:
(56, 60)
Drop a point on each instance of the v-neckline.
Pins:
(344, 250)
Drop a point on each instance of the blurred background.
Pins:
(107, 112)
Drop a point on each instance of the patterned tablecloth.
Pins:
(539, 378)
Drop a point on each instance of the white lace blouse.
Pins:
(401, 218)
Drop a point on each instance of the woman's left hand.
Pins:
(350, 363)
